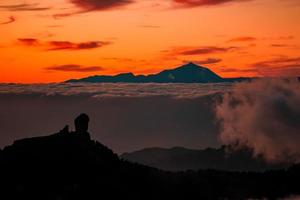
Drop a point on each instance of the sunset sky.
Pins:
(55, 40)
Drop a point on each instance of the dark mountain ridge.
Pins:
(69, 165)
(182, 159)
(188, 73)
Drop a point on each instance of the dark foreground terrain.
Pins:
(181, 159)
(69, 165)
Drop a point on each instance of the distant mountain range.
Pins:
(181, 159)
(189, 73)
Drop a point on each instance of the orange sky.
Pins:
(55, 40)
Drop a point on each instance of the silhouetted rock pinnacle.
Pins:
(64, 147)
(82, 125)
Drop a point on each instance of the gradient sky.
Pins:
(55, 40)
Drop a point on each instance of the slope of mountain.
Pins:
(189, 73)
(69, 165)
(181, 159)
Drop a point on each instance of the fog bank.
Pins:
(265, 116)
(125, 117)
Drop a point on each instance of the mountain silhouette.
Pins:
(188, 73)
(181, 159)
(69, 165)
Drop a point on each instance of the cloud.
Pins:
(28, 41)
(282, 66)
(282, 45)
(197, 3)
(188, 53)
(61, 45)
(229, 70)
(206, 61)
(279, 45)
(290, 37)
(10, 20)
(124, 90)
(280, 38)
(280, 60)
(149, 26)
(101, 5)
(206, 50)
(93, 5)
(24, 7)
(74, 68)
(263, 115)
(122, 59)
(163, 115)
(62, 15)
(66, 45)
(55, 26)
(242, 39)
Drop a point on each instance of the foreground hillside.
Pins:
(69, 165)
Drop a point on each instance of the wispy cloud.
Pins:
(74, 68)
(54, 26)
(65, 45)
(61, 45)
(282, 66)
(237, 70)
(66, 14)
(93, 5)
(290, 37)
(197, 3)
(243, 39)
(205, 50)
(280, 60)
(28, 41)
(10, 20)
(119, 59)
(283, 45)
(205, 61)
(279, 45)
(149, 26)
(24, 7)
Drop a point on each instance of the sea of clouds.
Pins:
(125, 117)
(102, 90)
(263, 114)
